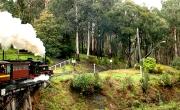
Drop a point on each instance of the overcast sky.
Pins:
(149, 3)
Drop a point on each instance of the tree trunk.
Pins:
(77, 45)
(77, 39)
(93, 44)
(82, 41)
(109, 47)
(88, 43)
(175, 46)
(129, 53)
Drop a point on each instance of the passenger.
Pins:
(2, 69)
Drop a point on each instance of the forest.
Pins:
(104, 28)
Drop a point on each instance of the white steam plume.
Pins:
(42, 77)
(21, 36)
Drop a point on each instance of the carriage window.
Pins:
(8, 70)
(20, 67)
(14, 67)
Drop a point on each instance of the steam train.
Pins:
(18, 70)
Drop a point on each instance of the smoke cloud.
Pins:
(42, 77)
(20, 36)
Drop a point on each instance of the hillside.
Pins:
(122, 89)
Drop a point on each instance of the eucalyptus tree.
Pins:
(171, 12)
(101, 27)
(26, 10)
(29, 9)
(69, 16)
(126, 16)
(10, 6)
(49, 32)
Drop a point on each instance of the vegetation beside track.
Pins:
(121, 89)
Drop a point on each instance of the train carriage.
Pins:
(19, 70)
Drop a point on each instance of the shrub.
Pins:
(165, 80)
(105, 61)
(128, 84)
(115, 61)
(176, 63)
(98, 82)
(158, 69)
(93, 59)
(137, 66)
(86, 83)
(149, 64)
(99, 61)
(144, 83)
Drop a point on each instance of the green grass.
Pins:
(118, 91)
(61, 78)
(12, 54)
(62, 98)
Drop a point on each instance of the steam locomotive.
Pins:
(15, 70)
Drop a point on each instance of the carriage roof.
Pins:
(4, 62)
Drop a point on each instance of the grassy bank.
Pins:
(122, 89)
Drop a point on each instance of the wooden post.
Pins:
(29, 100)
(13, 104)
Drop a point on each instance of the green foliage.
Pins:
(105, 61)
(176, 63)
(137, 66)
(145, 83)
(86, 83)
(48, 32)
(165, 80)
(158, 69)
(93, 59)
(115, 61)
(128, 84)
(149, 64)
(50, 62)
(98, 82)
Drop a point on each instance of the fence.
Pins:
(59, 65)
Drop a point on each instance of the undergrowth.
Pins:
(117, 89)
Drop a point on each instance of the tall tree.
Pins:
(171, 12)
(10, 6)
(48, 31)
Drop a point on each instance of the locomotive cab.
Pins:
(34, 67)
(37, 67)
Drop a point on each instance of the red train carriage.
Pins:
(20, 70)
